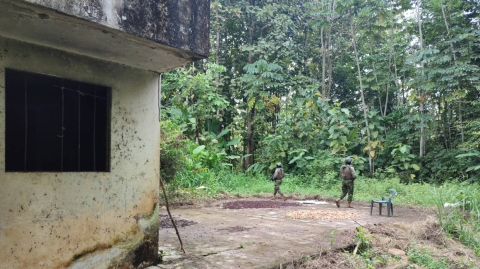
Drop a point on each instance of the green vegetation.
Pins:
(424, 258)
(366, 189)
(393, 84)
(459, 212)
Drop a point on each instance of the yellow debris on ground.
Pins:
(323, 214)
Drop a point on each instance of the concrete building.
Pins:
(79, 126)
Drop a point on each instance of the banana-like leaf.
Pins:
(415, 166)
(198, 149)
(352, 135)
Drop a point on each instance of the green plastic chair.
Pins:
(383, 201)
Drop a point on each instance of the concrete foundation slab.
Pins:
(262, 238)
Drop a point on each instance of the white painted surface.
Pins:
(65, 214)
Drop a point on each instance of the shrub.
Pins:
(324, 169)
(442, 165)
(172, 149)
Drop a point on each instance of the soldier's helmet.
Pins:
(348, 160)
(279, 165)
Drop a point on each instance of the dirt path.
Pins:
(215, 237)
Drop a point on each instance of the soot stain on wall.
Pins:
(182, 24)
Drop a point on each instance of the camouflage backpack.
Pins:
(281, 174)
(346, 173)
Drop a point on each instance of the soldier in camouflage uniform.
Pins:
(347, 173)
(277, 177)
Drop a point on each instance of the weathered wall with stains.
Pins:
(156, 35)
(178, 23)
(85, 220)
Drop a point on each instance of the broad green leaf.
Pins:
(353, 134)
(233, 142)
(415, 166)
(198, 149)
(294, 159)
(473, 168)
(346, 111)
(224, 132)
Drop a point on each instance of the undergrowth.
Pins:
(366, 189)
(458, 212)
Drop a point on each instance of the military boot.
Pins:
(273, 198)
(338, 202)
(350, 205)
(284, 197)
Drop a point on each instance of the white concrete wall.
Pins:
(46, 219)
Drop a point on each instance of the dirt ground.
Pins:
(422, 244)
(217, 237)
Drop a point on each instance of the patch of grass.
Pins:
(242, 245)
(459, 213)
(424, 258)
(366, 189)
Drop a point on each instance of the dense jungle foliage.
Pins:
(394, 84)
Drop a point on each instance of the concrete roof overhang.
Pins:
(167, 42)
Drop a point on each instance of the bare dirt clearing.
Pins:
(266, 237)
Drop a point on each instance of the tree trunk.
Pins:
(376, 79)
(396, 78)
(217, 61)
(324, 90)
(389, 64)
(361, 91)
(197, 125)
(449, 118)
(422, 100)
(455, 61)
(250, 128)
(305, 52)
(445, 139)
(330, 78)
(460, 118)
(250, 149)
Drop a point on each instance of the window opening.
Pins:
(55, 124)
